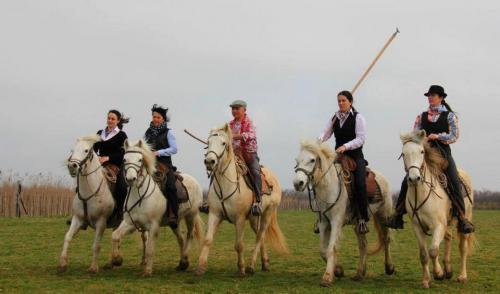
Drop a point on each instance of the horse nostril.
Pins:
(301, 183)
(418, 178)
(74, 165)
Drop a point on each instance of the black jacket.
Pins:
(113, 148)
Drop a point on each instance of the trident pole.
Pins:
(375, 61)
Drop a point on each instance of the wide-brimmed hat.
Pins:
(238, 103)
(436, 89)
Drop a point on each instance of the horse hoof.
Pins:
(439, 277)
(357, 278)
(250, 270)
(117, 261)
(92, 270)
(462, 279)
(338, 271)
(183, 266)
(143, 262)
(325, 283)
(147, 274)
(62, 269)
(108, 266)
(265, 268)
(448, 275)
(389, 269)
(240, 274)
(199, 272)
(426, 285)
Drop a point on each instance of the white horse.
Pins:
(229, 198)
(429, 206)
(316, 170)
(93, 203)
(145, 206)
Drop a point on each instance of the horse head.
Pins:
(413, 154)
(81, 154)
(310, 162)
(138, 159)
(219, 147)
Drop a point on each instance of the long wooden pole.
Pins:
(194, 137)
(375, 61)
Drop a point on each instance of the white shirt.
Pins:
(360, 130)
(113, 133)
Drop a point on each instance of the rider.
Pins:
(441, 125)
(110, 151)
(245, 144)
(349, 128)
(162, 141)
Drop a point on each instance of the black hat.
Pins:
(161, 110)
(435, 89)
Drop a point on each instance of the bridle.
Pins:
(215, 180)
(138, 168)
(82, 165)
(311, 186)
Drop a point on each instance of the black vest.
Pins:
(440, 126)
(347, 133)
(158, 143)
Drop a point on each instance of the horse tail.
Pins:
(380, 237)
(275, 236)
(198, 227)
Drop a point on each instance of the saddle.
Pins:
(111, 172)
(160, 178)
(242, 169)
(373, 190)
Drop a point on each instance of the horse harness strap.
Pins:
(220, 193)
(139, 201)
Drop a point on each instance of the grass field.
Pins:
(30, 248)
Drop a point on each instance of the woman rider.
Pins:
(349, 128)
(110, 151)
(163, 142)
(441, 125)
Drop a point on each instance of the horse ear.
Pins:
(226, 128)
(126, 144)
(140, 143)
(422, 134)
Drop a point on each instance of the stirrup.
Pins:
(256, 209)
(395, 222)
(465, 227)
(362, 227)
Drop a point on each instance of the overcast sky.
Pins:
(63, 64)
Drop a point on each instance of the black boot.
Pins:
(465, 226)
(395, 222)
(203, 207)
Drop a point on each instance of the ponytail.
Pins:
(447, 106)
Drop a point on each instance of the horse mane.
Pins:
(91, 139)
(148, 156)
(226, 130)
(433, 158)
(321, 149)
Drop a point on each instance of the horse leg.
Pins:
(437, 238)
(238, 245)
(72, 231)
(150, 247)
(144, 238)
(100, 226)
(259, 242)
(362, 243)
(212, 224)
(464, 251)
(424, 256)
(264, 257)
(389, 265)
(330, 254)
(116, 237)
(324, 238)
(448, 272)
(180, 240)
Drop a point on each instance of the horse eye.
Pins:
(140, 160)
(422, 151)
(312, 160)
(86, 150)
(124, 160)
(224, 143)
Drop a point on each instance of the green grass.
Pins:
(29, 250)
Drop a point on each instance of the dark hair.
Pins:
(161, 110)
(347, 95)
(447, 106)
(121, 118)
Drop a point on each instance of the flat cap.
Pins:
(238, 103)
